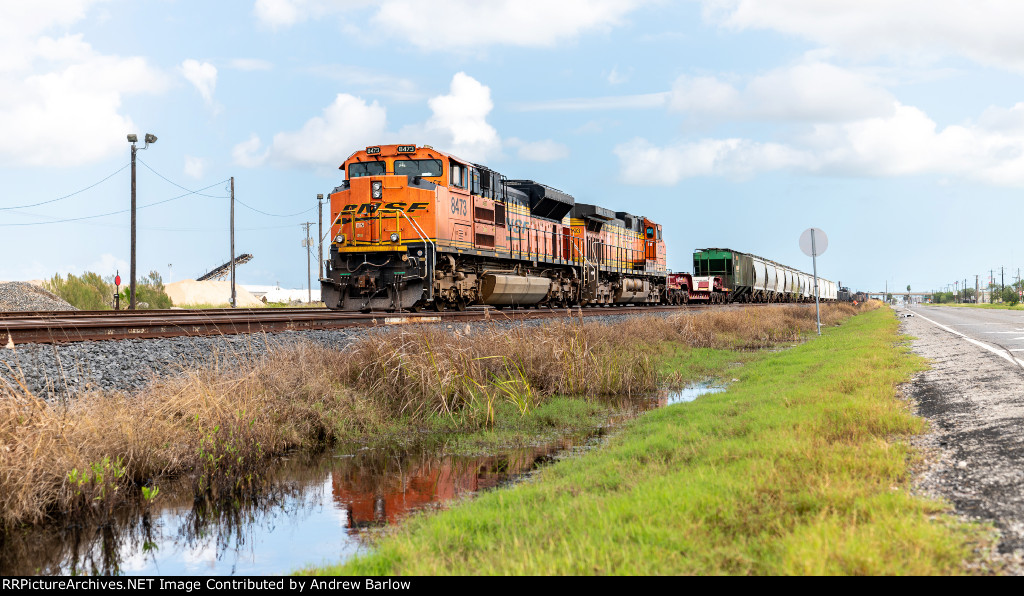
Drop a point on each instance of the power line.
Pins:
(272, 214)
(77, 192)
(169, 181)
(86, 217)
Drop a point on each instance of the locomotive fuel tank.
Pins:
(513, 290)
(633, 290)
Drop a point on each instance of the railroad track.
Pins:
(75, 326)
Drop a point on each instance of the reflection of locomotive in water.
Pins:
(414, 227)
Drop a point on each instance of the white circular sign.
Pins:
(820, 242)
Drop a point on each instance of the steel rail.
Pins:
(77, 326)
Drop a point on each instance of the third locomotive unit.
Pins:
(414, 227)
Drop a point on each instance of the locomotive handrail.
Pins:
(423, 236)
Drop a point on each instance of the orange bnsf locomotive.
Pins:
(415, 227)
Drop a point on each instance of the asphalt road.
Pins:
(1001, 330)
(973, 396)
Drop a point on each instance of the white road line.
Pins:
(998, 352)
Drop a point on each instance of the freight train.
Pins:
(413, 227)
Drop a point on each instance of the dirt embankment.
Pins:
(190, 293)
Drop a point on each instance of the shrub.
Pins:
(148, 290)
(88, 292)
(1010, 296)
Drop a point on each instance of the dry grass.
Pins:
(220, 424)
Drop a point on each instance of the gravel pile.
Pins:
(22, 296)
(61, 371)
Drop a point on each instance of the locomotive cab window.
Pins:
(458, 175)
(650, 232)
(427, 168)
(365, 168)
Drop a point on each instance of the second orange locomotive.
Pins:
(414, 227)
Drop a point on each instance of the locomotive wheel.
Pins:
(437, 305)
(460, 305)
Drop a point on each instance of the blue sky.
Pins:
(896, 126)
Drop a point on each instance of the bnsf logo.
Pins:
(371, 208)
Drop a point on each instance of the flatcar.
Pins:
(414, 227)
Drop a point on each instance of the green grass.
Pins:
(466, 433)
(997, 306)
(799, 468)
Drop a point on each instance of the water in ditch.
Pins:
(321, 509)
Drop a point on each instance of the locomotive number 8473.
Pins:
(414, 227)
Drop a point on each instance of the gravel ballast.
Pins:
(60, 371)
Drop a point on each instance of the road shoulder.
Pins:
(974, 402)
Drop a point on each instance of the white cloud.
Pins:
(465, 24)
(328, 140)
(546, 150)
(616, 102)
(808, 92)
(324, 141)
(703, 96)
(369, 81)
(458, 124)
(250, 64)
(459, 121)
(203, 77)
(279, 13)
(648, 165)
(617, 78)
(987, 31)
(250, 153)
(194, 167)
(904, 143)
(48, 83)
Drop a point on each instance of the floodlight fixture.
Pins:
(133, 138)
(150, 139)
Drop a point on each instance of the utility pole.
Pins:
(320, 236)
(1002, 282)
(991, 282)
(977, 296)
(233, 295)
(308, 242)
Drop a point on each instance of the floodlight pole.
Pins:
(132, 138)
(814, 259)
(131, 294)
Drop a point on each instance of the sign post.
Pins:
(814, 242)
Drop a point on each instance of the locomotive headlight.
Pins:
(340, 238)
(394, 237)
(377, 189)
